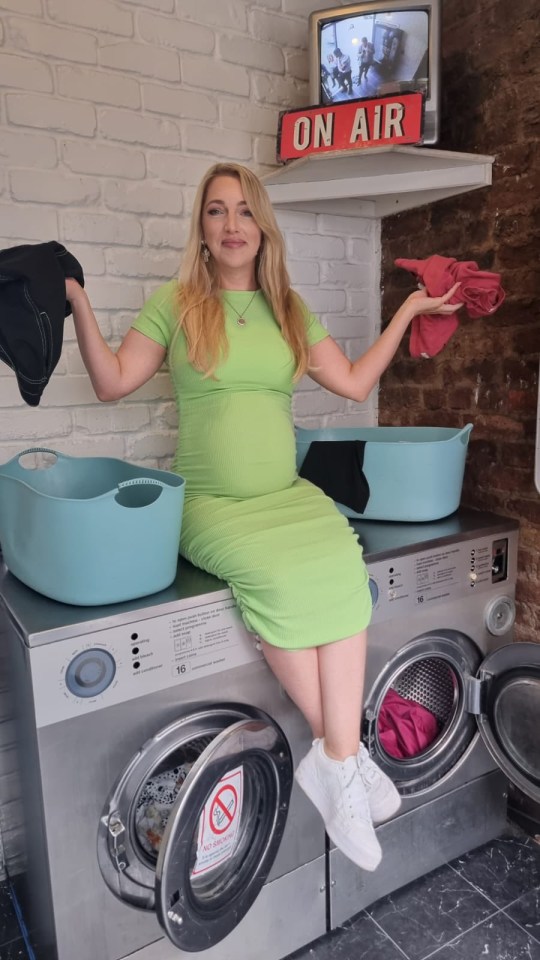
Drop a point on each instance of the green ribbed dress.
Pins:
(291, 559)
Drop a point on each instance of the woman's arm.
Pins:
(113, 375)
(332, 369)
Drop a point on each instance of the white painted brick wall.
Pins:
(110, 112)
(334, 265)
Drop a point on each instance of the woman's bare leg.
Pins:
(326, 683)
(341, 678)
(298, 674)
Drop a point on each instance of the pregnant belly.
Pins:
(237, 445)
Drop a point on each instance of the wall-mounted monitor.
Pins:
(377, 48)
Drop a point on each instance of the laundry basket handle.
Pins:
(54, 453)
(139, 480)
(142, 499)
(38, 450)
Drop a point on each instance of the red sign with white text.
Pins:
(352, 125)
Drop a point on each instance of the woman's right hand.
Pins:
(421, 303)
(73, 290)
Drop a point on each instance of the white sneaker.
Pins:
(337, 790)
(383, 799)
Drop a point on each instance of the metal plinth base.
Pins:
(419, 841)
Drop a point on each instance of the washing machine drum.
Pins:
(192, 827)
(443, 674)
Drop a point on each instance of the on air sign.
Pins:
(351, 125)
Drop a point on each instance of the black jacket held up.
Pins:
(33, 308)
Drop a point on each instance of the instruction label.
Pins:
(421, 580)
(219, 823)
(208, 639)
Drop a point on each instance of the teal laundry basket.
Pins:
(414, 473)
(90, 530)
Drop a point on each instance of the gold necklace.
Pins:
(241, 321)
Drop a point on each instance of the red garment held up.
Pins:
(480, 291)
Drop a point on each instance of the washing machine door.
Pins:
(223, 833)
(194, 821)
(508, 712)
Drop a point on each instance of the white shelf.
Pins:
(376, 182)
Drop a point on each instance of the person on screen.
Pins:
(366, 54)
(333, 69)
(344, 71)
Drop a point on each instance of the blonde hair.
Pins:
(201, 314)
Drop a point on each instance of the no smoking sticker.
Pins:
(219, 822)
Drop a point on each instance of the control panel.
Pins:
(110, 666)
(205, 635)
(407, 583)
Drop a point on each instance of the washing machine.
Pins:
(156, 754)
(441, 636)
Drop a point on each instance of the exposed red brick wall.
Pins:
(488, 372)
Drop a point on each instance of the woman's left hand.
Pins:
(441, 306)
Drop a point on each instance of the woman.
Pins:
(236, 338)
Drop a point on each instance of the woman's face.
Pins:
(230, 231)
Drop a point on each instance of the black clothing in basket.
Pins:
(337, 467)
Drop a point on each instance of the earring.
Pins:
(205, 251)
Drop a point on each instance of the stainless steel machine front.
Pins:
(441, 636)
(157, 752)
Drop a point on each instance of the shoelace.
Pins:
(357, 799)
(367, 774)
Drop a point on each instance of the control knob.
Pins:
(90, 672)
(374, 591)
(499, 615)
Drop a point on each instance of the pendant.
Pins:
(241, 322)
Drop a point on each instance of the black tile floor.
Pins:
(482, 906)
(11, 942)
